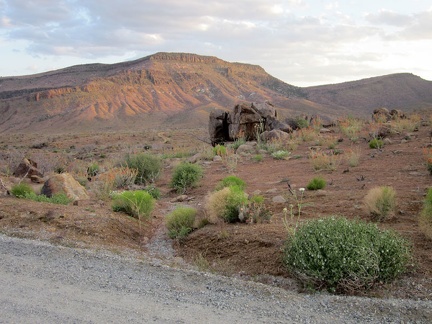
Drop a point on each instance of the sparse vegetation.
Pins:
(185, 176)
(380, 202)
(425, 217)
(343, 255)
(180, 222)
(322, 161)
(353, 157)
(219, 150)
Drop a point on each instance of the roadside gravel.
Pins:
(44, 283)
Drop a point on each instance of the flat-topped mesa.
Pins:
(184, 57)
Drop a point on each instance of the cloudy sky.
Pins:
(302, 42)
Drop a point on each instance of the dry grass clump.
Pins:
(380, 202)
(351, 127)
(322, 161)
(215, 204)
(409, 124)
(353, 157)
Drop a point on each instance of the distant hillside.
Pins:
(403, 91)
(178, 90)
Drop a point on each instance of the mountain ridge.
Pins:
(151, 90)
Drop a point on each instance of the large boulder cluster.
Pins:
(245, 121)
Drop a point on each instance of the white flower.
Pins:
(285, 210)
(301, 189)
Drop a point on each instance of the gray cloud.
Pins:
(270, 33)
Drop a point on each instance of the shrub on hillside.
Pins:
(180, 222)
(380, 202)
(231, 181)
(316, 183)
(21, 190)
(376, 143)
(186, 175)
(226, 204)
(345, 256)
(138, 203)
(148, 167)
(425, 218)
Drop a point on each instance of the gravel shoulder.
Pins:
(44, 283)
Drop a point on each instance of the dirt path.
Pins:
(43, 283)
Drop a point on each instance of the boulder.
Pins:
(64, 183)
(381, 115)
(274, 135)
(246, 149)
(218, 127)
(27, 168)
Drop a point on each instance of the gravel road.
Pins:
(43, 283)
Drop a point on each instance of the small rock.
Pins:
(180, 198)
(217, 158)
(279, 200)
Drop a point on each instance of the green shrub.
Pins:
(380, 202)
(21, 190)
(316, 183)
(60, 199)
(280, 155)
(180, 222)
(343, 255)
(257, 210)
(153, 191)
(92, 170)
(226, 204)
(425, 218)
(138, 203)
(231, 181)
(219, 150)
(186, 175)
(148, 167)
(376, 143)
(258, 158)
(301, 122)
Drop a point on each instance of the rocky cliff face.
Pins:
(176, 87)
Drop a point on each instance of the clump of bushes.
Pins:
(376, 143)
(93, 170)
(186, 175)
(345, 256)
(138, 203)
(316, 183)
(180, 222)
(231, 181)
(148, 167)
(425, 218)
(380, 202)
(226, 204)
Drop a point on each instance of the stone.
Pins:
(27, 168)
(381, 115)
(64, 183)
(274, 135)
(217, 158)
(279, 200)
(195, 158)
(245, 149)
(180, 198)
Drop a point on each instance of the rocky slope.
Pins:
(178, 89)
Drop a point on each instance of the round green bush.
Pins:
(316, 183)
(21, 190)
(231, 181)
(235, 200)
(376, 143)
(138, 203)
(344, 255)
(148, 167)
(186, 175)
(180, 222)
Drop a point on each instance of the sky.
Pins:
(301, 42)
